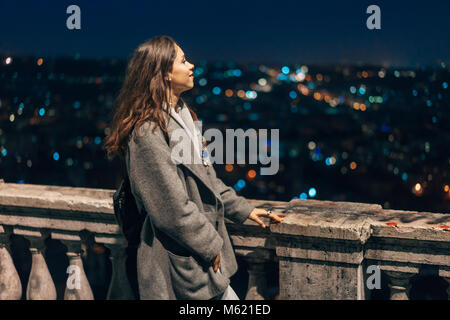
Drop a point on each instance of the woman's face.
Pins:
(182, 77)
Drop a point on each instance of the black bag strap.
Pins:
(124, 196)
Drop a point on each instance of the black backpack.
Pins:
(126, 211)
(127, 214)
(130, 221)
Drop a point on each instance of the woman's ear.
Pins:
(168, 77)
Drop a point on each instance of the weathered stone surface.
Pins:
(56, 198)
(345, 253)
(312, 218)
(412, 257)
(321, 246)
(329, 241)
(411, 225)
(312, 280)
(40, 283)
(10, 287)
(63, 211)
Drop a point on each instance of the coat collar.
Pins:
(198, 170)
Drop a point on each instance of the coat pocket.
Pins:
(191, 281)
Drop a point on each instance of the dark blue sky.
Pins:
(320, 31)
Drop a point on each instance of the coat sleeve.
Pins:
(156, 182)
(237, 208)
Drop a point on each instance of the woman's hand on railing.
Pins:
(257, 212)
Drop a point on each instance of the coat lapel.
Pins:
(197, 169)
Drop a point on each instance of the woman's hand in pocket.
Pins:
(216, 263)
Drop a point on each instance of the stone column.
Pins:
(10, 285)
(320, 269)
(257, 279)
(320, 246)
(119, 287)
(400, 284)
(77, 284)
(40, 283)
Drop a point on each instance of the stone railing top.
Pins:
(36, 210)
(359, 221)
(56, 197)
(66, 211)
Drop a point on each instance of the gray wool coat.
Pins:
(184, 228)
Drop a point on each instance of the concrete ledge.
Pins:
(321, 246)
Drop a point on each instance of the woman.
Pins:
(185, 251)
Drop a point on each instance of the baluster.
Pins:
(10, 285)
(399, 283)
(257, 279)
(40, 283)
(77, 284)
(119, 287)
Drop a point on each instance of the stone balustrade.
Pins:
(322, 249)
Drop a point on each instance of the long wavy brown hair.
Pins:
(143, 93)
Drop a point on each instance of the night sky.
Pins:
(413, 32)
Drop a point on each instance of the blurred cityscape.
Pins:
(359, 133)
